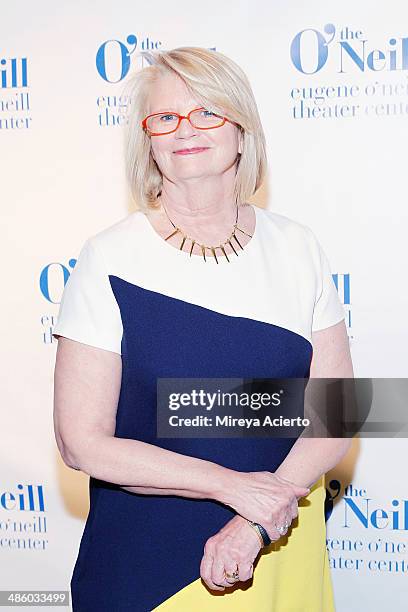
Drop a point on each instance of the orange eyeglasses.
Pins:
(159, 124)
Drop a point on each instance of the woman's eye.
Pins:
(209, 112)
(164, 116)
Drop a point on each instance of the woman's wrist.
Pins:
(222, 484)
(295, 477)
(257, 529)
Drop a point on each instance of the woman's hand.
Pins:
(263, 497)
(236, 544)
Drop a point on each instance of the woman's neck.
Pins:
(210, 226)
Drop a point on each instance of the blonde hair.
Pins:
(221, 86)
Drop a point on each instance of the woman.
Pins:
(198, 283)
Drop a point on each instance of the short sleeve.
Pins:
(328, 309)
(89, 312)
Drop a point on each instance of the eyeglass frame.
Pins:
(180, 117)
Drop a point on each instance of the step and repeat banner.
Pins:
(331, 83)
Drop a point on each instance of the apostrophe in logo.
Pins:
(349, 49)
(331, 494)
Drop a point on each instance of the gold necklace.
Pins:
(202, 246)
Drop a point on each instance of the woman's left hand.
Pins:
(236, 544)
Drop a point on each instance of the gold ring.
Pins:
(234, 576)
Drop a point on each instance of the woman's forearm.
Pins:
(164, 491)
(310, 458)
(134, 464)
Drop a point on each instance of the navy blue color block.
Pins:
(140, 543)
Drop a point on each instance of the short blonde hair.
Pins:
(221, 86)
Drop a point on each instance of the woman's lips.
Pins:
(191, 151)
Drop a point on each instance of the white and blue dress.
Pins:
(171, 315)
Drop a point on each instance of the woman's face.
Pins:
(169, 93)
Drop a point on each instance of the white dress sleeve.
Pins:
(328, 309)
(89, 312)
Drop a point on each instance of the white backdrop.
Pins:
(331, 81)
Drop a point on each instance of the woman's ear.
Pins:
(241, 141)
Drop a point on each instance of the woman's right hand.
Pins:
(265, 498)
